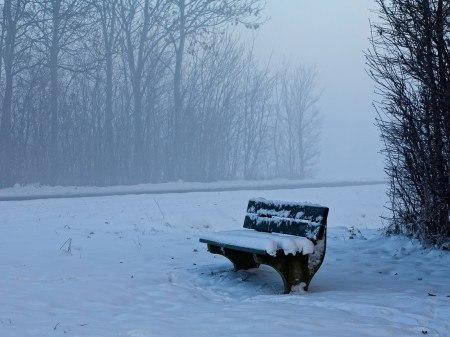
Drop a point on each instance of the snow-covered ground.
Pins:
(132, 266)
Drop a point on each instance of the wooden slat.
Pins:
(262, 207)
(239, 248)
(308, 230)
(287, 218)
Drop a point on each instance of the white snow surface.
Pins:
(132, 266)
(268, 242)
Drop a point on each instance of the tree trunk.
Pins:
(5, 127)
(138, 135)
(54, 93)
(109, 141)
(175, 131)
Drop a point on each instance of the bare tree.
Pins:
(108, 16)
(256, 108)
(15, 22)
(410, 63)
(212, 99)
(296, 123)
(192, 21)
(142, 36)
(60, 26)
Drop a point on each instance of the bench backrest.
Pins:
(298, 219)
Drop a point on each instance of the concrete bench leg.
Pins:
(292, 269)
(240, 260)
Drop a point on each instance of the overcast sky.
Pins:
(332, 35)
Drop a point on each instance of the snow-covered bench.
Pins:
(290, 237)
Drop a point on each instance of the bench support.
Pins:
(293, 269)
(240, 260)
(317, 257)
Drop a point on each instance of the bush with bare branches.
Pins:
(410, 63)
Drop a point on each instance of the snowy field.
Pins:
(132, 266)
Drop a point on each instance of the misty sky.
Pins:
(332, 35)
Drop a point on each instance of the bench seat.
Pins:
(252, 241)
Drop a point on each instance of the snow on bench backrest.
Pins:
(300, 219)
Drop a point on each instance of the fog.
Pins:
(124, 92)
(331, 35)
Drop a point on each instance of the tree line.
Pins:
(129, 91)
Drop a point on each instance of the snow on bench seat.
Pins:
(260, 242)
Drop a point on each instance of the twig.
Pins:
(68, 242)
(160, 210)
